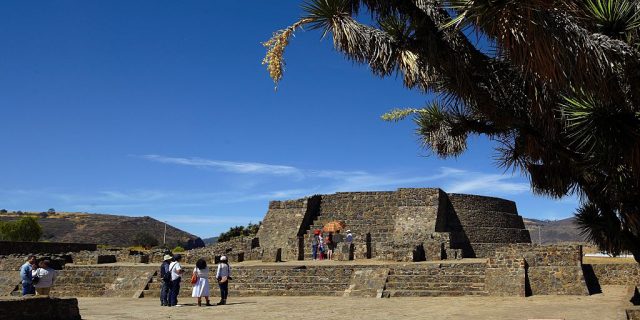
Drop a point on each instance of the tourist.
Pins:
(223, 275)
(337, 240)
(26, 275)
(176, 276)
(201, 287)
(330, 245)
(43, 278)
(349, 243)
(321, 246)
(165, 277)
(314, 244)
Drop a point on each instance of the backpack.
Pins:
(166, 277)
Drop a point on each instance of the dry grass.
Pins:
(607, 260)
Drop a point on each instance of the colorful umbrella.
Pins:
(334, 226)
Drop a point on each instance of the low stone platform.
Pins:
(39, 308)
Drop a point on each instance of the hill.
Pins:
(105, 229)
(553, 231)
(210, 241)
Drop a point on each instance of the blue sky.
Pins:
(163, 108)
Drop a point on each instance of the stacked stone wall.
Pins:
(506, 275)
(416, 215)
(617, 274)
(280, 227)
(17, 247)
(479, 223)
(437, 279)
(101, 281)
(555, 269)
(359, 205)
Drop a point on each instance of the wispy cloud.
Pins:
(208, 219)
(452, 179)
(477, 182)
(228, 166)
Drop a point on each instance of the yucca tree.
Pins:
(560, 92)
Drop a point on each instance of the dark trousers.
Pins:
(224, 290)
(174, 290)
(28, 288)
(164, 293)
(314, 251)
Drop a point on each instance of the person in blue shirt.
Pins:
(26, 276)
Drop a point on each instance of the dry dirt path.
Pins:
(608, 305)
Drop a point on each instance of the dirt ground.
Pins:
(608, 305)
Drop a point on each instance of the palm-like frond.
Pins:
(603, 133)
(600, 228)
(618, 19)
(438, 130)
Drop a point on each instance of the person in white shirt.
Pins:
(46, 277)
(176, 276)
(223, 274)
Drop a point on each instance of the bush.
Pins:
(25, 229)
(177, 249)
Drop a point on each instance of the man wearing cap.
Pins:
(166, 280)
(176, 276)
(349, 243)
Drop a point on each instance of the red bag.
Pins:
(194, 278)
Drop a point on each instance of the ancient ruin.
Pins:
(409, 242)
(402, 225)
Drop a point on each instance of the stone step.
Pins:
(442, 270)
(441, 286)
(448, 278)
(318, 272)
(431, 293)
(293, 287)
(253, 292)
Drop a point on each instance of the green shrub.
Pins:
(177, 249)
(240, 231)
(25, 229)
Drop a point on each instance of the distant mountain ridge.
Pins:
(105, 229)
(553, 231)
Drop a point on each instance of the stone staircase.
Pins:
(95, 282)
(270, 281)
(101, 281)
(436, 280)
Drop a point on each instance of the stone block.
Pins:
(40, 308)
(110, 258)
(367, 283)
(274, 255)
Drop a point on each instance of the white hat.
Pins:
(223, 258)
(167, 257)
(348, 231)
